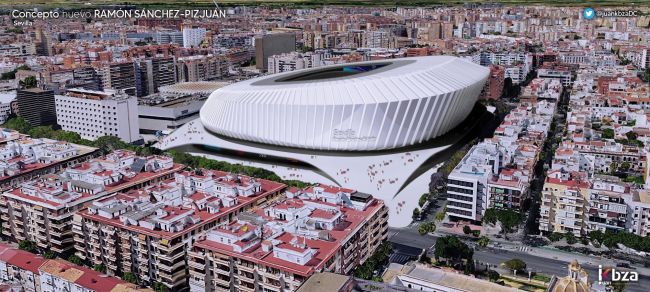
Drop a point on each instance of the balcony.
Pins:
(241, 267)
(197, 266)
(221, 282)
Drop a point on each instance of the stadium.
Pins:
(374, 126)
(355, 107)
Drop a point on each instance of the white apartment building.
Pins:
(467, 185)
(93, 114)
(192, 37)
(5, 105)
(296, 61)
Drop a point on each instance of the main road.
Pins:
(496, 256)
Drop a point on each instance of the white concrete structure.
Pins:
(354, 107)
(192, 37)
(5, 105)
(467, 185)
(93, 114)
(408, 102)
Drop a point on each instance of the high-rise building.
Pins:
(118, 75)
(201, 68)
(150, 74)
(279, 246)
(149, 231)
(36, 106)
(296, 61)
(272, 44)
(43, 43)
(192, 37)
(94, 114)
(86, 77)
(494, 85)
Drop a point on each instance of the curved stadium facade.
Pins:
(355, 107)
(373, 126)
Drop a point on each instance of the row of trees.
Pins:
(455, 253)
(110, 143)
(378, 259)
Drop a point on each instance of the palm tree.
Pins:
(483, 241)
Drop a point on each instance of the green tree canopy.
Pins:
(27, 245)
(75, 260)
(18, 123)
(515, 264)
(451, 248)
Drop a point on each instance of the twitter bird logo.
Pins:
(588, 13)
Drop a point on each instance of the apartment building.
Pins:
(278, 247)
(23, 158)
(94, 114)
(33, 273)
(152, 73)
(467, 184)
(201, 68)
(148, 231)
(607, 210)
(192, 37)
(42, 210)
(508, 190)
(118, 75)
(296, 61)
(565, 199)
(638, 220)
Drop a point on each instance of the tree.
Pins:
(515, 264)
(597, 236)
(555, 236)
(631, 135)
(441, 215)
(427, 227)
(27, 245)
(423, 199)
(130, 277)
(41, 132)
(49, 255)
(159, 287)
(493, 275)
(18, 123)
(75, 260)
(452, 249)
(483, 241)
(416, 214)
(29, 82)
(100, 268)
(570, 238)
(110, 143)
(607, 133)
(490, 216)
(467, 230)
(618, 286)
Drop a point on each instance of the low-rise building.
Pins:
(148, 231)
(42, 210)
(278, 247)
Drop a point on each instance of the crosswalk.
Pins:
(523, 248)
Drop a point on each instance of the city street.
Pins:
(537, 263)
